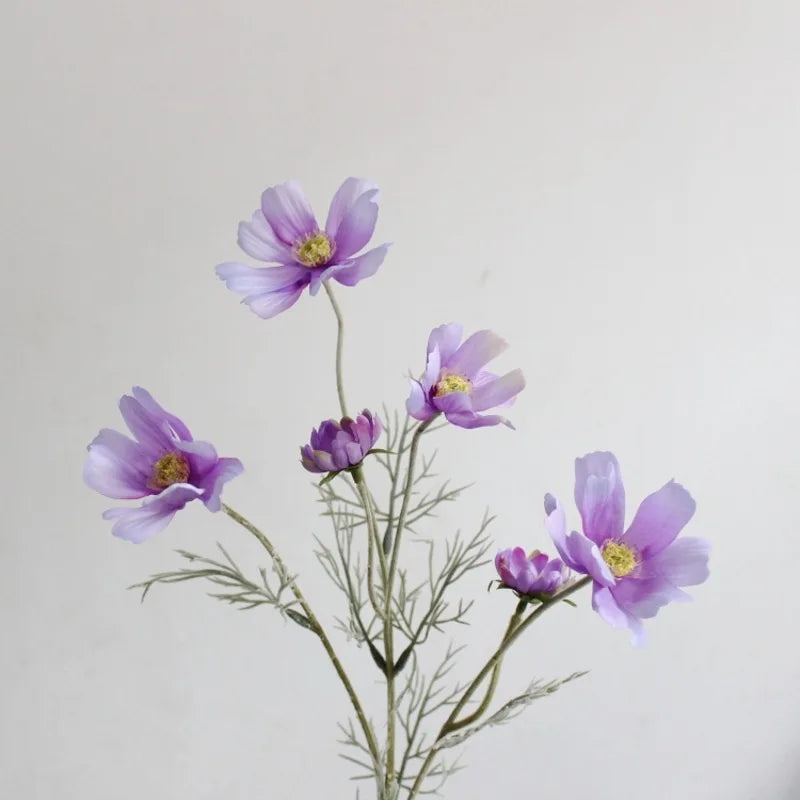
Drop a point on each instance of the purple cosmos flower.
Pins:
(340, 445)
(455, 382)
(164, 465)
(284, 232)
(536, 574)
(637, 571)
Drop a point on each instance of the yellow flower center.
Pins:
(169, 469)
(314, 250)
(451, 383)
(620, 558)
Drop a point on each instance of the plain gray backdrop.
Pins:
(611, 185)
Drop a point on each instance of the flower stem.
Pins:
(315, 624)
(401, 521)
(513, 632)
(339, 346)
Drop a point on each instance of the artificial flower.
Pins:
(285, 232)
(635, 571)
(455, 382)
(162, 464)
(335, 446)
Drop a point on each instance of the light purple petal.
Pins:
(683, 563)
(604, 603)
(202, 459)
(447, 338)
(363, 266)
(417, 404)
(433, 366)
(175, 426)
(477, 351)
(453, 403)
(271, 304)
(143, 522)
(259, 241)
(606, 606)
(556, 524)
(660, 518)
(644, 598)
(153, 433)
(497, 392)
(586, 553)
(468, 419)
(288, 212)
(352, 216)
(224, 470)
(250, 281)
(116, 467)
(600, 496)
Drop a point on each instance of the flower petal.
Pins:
(600, 496)
(352, 216)
(683, 563)
(202, 459)
(288, 212)
(116, 466)
(477, 351)
(259, 241)
(224, 470)
(447, 338)
(417, 404)
(246, 280)
(176, 426)
(644, 598)
(497, 392)
(660, 518)
(433, 366)
(271, 304)
(469, 419)
(363, 266)
(145, 521)
(453, 403)
(152, 427)
(606, 606)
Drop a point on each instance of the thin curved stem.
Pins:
(339, 346)
(401, 521)
(315, 624)
(508, 639)
(487, 698)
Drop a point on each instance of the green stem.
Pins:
(339, 346)
(314, 622)
(401, 521)
(511, 635)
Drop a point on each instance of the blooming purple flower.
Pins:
(340, 445)
(455, 382)
(534, 574)
(637, 572)
(164, 465)
(284, 232)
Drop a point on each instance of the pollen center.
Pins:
(451, 383)
(314, 250)
(620, 558)
(169, 469)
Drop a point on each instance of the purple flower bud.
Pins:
(340, 445)
(533, 574)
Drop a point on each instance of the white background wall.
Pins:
(610, 185)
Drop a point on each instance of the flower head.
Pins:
(455, 382)
(285, 232)
(335, 446)
(534, 574)
(635, 571)
(162, 464)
